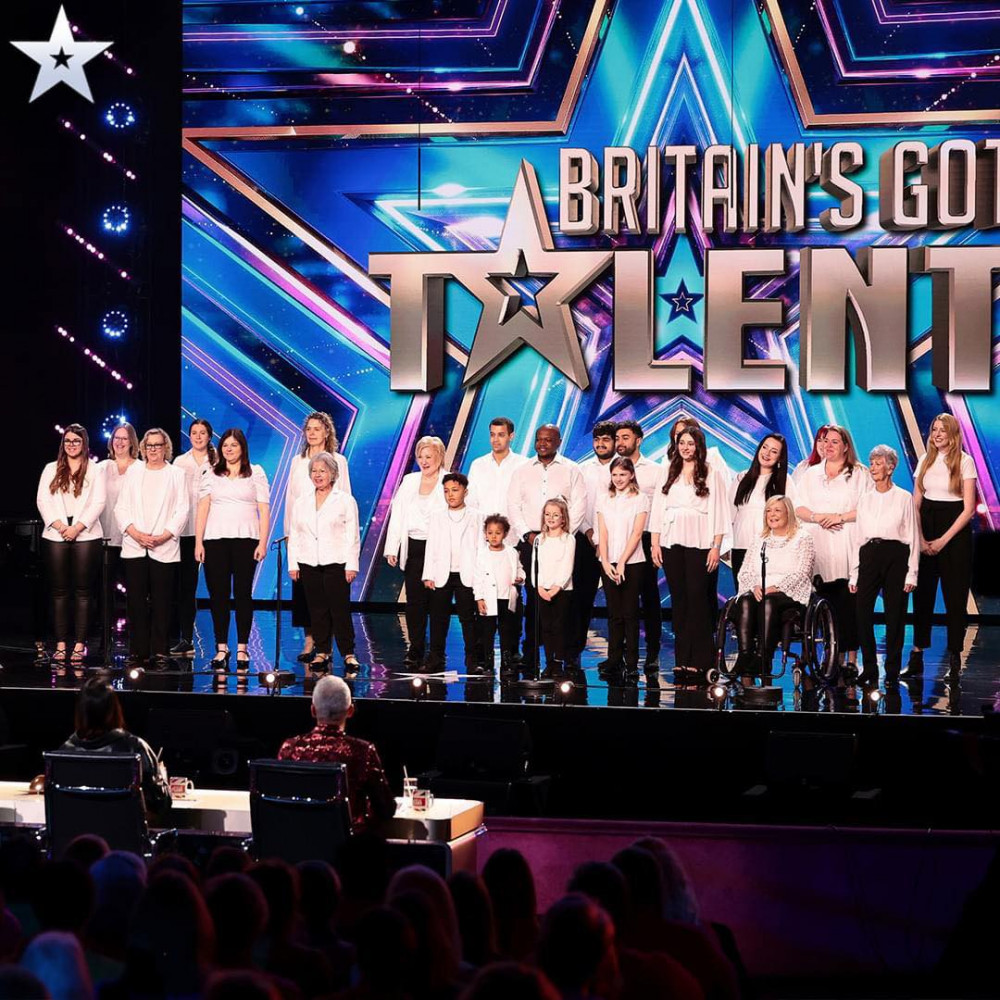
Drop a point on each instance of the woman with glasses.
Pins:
(70, 501)
(123, 452)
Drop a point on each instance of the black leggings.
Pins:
(418, 597)
(745, 614)
(229, 562)
(72, 570)
(952, 566)
(187, 589)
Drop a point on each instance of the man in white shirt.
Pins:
(490, 475)
(587, 568)
(649, 477)
(541, 478)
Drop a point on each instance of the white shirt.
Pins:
(748, 517)
(113, 481)
(890, 516)
(596, 480)
(937, 479)
(800, 470)
(839, 495)
(533, 484)
(682, 518)
(555, 555)
(489, 482)
(418, 518)
(790, 565)
(619, 512)
(233, 513)
(299, 482)
(496, 578)
(325, 536)
(192, 474)
(85, 509)
(154, 501)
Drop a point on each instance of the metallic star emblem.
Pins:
(682, 303)
(69, 56)
(520, 291)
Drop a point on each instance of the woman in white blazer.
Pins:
(123, 453)
(324, 549)
(194, 463)
(151, 512)
(418, 496)
(318, 436)
(70, 500)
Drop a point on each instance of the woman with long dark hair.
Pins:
(689, 517)
(230, 538)
(70, 501)
(945, 496)
(197, 461)
(767, 477)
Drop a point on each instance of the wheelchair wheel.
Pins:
(725, 644)
(820, 640)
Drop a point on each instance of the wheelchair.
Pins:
(808, 644)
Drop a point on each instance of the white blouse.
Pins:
(620, 512)
(555, 555)
(61, 506)
(299, 482)
(890, 516)
(233, 513)
(839, 495)
(790, 565)
(682, 518)
(418, 517)
(748, 517)
(192, 474)
(113, 481)
(937, 479)
(327, 535)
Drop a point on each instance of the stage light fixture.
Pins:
(719, 692)
(875, 696)
(418, 688)
(350, 48)
(135, 674)
(120, 115)
(116, 219)
(111, 423)
(566, 687)
(274, 680)
(114, 324)
(300, 11)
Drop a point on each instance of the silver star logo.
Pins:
(526, 253)
(61, 59)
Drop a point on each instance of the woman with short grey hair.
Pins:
(884, 558)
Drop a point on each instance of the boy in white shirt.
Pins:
(497, 589)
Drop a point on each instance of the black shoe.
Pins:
(306, 657)
(183, 648)
(351, 665)
(414, 657)
(954, 663)
(554, 671)
(319, 664)
(914, 666)
(435, 663)
(652, 661)
(868, 678)
(160, 662)
(507, 668)
(220, 664)
(242, 662)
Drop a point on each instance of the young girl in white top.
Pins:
(552, 577)
(230, 537)
(945, 496)
(194, 463)
(496, 587)
(318, 436)
(622, 511)
(70, 500)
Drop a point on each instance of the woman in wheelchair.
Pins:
(786, 587)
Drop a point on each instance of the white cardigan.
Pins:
(437, 557)
(494, 587)
(397, 540)
(171, 516)
(89, 504)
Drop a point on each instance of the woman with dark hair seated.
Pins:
(100, 728)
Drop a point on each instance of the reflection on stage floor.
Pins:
(381, 645)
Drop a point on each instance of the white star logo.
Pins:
(61, 59)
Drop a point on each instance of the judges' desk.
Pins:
(445, 837)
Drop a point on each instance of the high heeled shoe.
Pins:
(320, 663)
(79, 655)
(220, 662)
(242, 661)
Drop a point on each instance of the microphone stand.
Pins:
(762, 611)
(109, 660)
(276, 544)
(538, 606)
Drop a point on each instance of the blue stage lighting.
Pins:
(110, 423)
(116, 219)
(120, 115)
(114, 324)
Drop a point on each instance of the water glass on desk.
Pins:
(409, 787)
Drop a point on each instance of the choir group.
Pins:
(557, 529)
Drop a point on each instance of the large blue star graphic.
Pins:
(682, 302)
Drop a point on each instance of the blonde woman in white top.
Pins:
(553, 556)
(318, 436)
(230, 538)
(828, 505)
(194, 463)
(151, 512)
(70, 501)
(688, 520)
(324, 547)
(945, 495)
(622, 511)
(419, 495)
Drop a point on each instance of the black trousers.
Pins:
(882, 567)
(72, 569)
(530, 600)
(623, 616)
(300, 607)
(554, 625)
(649, 591)
(465, 606)
(952, 566)
(736, 557)
(844, 605)
(745, 614)
(327, 594)
(229, 565)
(507, 623)
(187, 589)
(151, 589)
(586, 577)
(690, 583)
(418, 597)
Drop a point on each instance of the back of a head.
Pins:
(386, 945)
(417, 878)
(436, 959)
(363, 867)
(679, 902)
(511, 886)
(239, 913)
(240, 984)
(319, 887)
(475, 917)
(56, 958)
(20, 984)
(280, 884)
(119, 882)
(225, 860)
(98, 709)
(85, 850)
(509, 980)
(606, 886)
(173, 862)
(575, 943)
(331, 698)
(645, 883)
(64, 896)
